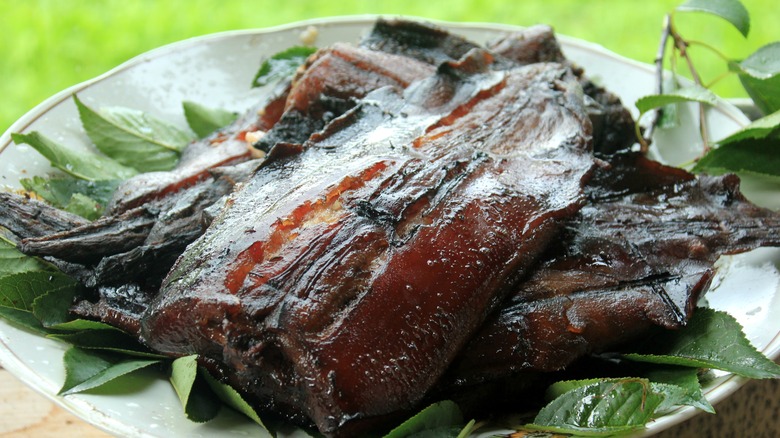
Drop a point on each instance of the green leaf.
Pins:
(685, 388)
(22, 319)
(764, 92)
(198, 402)
(764, 63)
(281, 65)
(12, 261)
(442, 419)
(84, 206)
(85, 198)
(232, 398)
(18, 291)
(80, 325)
(757, 156)
(203, 120)
(133, 138)
(112, 341)
(80, 366)
(732, 11)
(53, 307)
(77, 162)
(760, 128)
(86, 370)
(712, 339)
(693, 93)
(601, 408)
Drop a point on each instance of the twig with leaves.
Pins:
(752, 150)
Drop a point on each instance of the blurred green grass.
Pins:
(49, 45)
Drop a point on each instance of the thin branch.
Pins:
(659, 85)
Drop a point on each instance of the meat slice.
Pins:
(638, 257)
(613, 125)
(338, 284)
(331, 83)
(24, 216)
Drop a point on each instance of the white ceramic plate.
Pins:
(216, 70)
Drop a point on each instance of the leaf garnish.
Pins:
(12, 261)
(281, 65)
(760, 128)
(732, 11)
(693, 93)
(232, 398)
(686, 388)
(133, 138)
(85, 198)
(442, 419)
(203, 120)
(198, 402)
(19, 291)
(712, 339)
(600, 408)
(113, 341)
(764, 63)
(86, 370)
(78, 162)
(764, 92)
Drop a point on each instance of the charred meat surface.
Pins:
(316, 261)
(637, 257)
(27, 217)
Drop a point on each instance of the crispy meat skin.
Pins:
(637, 257)
(316, 261)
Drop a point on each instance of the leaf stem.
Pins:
(709, 47)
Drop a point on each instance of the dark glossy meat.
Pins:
(613, 125)
(637, 257)
(339, 283)
(333, 80)
(27, 217)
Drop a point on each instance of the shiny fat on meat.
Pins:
(338, 284)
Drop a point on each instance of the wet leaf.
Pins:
(134, 138)
(764, 63)
(600, 408)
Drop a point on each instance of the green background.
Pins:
(49, 45)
